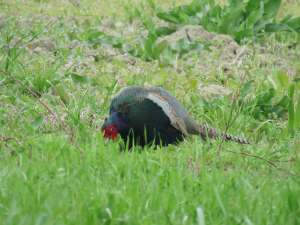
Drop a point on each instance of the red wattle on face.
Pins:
(114, 135)
(111, 132)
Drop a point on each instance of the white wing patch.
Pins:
(176, 121)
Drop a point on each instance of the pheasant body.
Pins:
(146, 115)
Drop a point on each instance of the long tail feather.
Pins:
(213, 133)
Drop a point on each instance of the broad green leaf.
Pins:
(217, 11)
(37, 122)
(195, 48)
(206, 48)
(165, 62)
(193, 20)
(97, 23)
(259, 25)
(256, 112)
(187, 10)
(274, 83)
(136, 52)
(78, 79)
(95, 34)
(242, 26)
(255, 16)
(181, 47)
(193, 83)
(232, 84)
(142, 7)
(174, 47)
(271, 8)
(294, 23)
(149, 24)
(5, 27)
(235, 3)
(229, 19)
(162, 46)
(168, 57)
(275, 27)
(247, 87)
(108, 40)
(152, 5)
(287, 18)
(252, 5)
(162, 31)
(169, 16)
(136, 13)
(140, 51)
(182, 25)
(63, 94)
(150, 46)
(284, 102)
(266, 99)
(292, 91)
(161, 80)
(184, 16)
(208, 23)
(72, 37)
(119, 63)
(244, 33)
(283, 79)
(126, 47)
(199, 15)
(155, 52)
(194, 98)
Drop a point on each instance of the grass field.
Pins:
(47, 178)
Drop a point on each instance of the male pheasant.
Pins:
(146, 115)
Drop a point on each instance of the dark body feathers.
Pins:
(145, 115)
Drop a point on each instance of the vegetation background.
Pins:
(61, 64)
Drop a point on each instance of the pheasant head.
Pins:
(112, 126)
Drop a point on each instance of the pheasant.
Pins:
(146, 115)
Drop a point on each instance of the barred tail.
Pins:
(213, 133)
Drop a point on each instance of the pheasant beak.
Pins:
(106, 140)
(105, 137)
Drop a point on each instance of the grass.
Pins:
(54, 184)
(44, 179)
